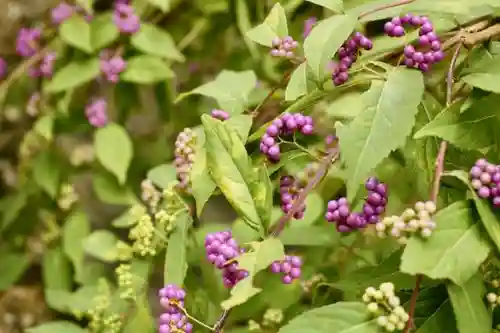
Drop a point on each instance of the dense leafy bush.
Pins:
(355, 145)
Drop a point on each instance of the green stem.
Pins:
(199, 322)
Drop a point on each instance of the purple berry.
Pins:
(290, 267)
(125, 19)
(62, 12)
(96, 112)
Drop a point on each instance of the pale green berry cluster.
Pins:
(413, 221)
(112, 324)
(124, 251)
(142, 236)
(386, 306)
(254, 326)
(272, 317)
(101, 303)
(149, 194)
(67, 197)
(308, 285)
(125, 282)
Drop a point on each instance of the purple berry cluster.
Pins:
(185, 146)
(125, 19)
(432, 51)
(112, 65)
(309, 25)
(62, 12)
(347, 55)
(290, 267)
(485, 178)
(284, 48)
(96, 112)
(290, 189)
(339, 211)
(221, 250)
(287, 124)
(220, 114)
(3, 68)
(27, 45)
(45, 67)
(173, 320)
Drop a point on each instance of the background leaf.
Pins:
(56, 327)
(175, 260)
(275, 25)
(146, 69)
(76, 32)
(101, 244)
(75, 230)
(155, 41)
(73, 75)
(333, 5)
(47, 172)
(202, 184)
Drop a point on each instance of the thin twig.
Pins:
(391, 5)
(222, 320)
(439, 168)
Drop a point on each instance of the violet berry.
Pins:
(290, 267)
(111, 66)
(283, 48)
(339, 212)
(308, 25)
(62, 12)
(485, 179)
(125, 19)
(96, 112)
(347, 55)
(173, 318)
(221, 250)
(376, 200)
(289, 191)
(287, 124)
(185, 146)
(3, 68)
(220, 114)
(27, 43)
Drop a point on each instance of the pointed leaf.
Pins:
(383, 126)
(333, 5)
(47, 172)
(202, 185)
(275, 25)
(56, 270)
(147, 69)
(76, 32)
(162, 175)
(74, 74)
(103, 31)
(153, 40)
(101, 244)
(262, 192)
(163, 5)
(486, 76)
(75, 230)
(241, 124)
(454, 251)
(299, 83)
(324, 41)
(175, 259)
(113, 148)
(13, 266)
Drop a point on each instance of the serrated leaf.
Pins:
(231, 168)
(230, 89)
(75, 230)
(47, 172)
(101, 244)
(299, 83)
(454, 251)
(113, 149)
(383, 126)
(176, 257)
(275, 25)
(153, 40)
(309, 236)
(56, 327)
(470, 311)
(333, 5)
(12, 268)
(75, 31)
(486, 76)
(162, 175)
(74, 74)
(489, 220)
(341, 317)
(147, 69)
(202, 185)
(103, 31)
(472, 129)
(324, 41)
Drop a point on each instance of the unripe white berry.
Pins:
(404, 317)
(430, 207)
(400, 225)
(393, 301)
(399, 311)
(408, 214)
(424, 215)
(413, 224)
(386, 287)
(390, 327)
(381, 234)
(400, 326)
(366, 298)
(382, 321)
(495, 283)
(370, 291)
(426, 233)
(380, 226)
(378, 295)
(395, 232)
(419, 206)
(372, 307)
(393, 319)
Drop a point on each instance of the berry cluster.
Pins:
(339, 211)
(284, 48)
(220, 114)
(96, 112)
(3, 68)
(289, 191)
(185, 146)
(111, 65)
(173, 320)
(125, 19)
(493, 299)
(308, 25)
(347, 55)
(290, 267)
(27, 45)
(287, 124)
(485, 178)
(64, 11)
(386, 306)
(431, 46)
(412, 221)
(221, 250)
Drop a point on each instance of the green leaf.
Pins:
(241, 124)
(470, 311)
(472, 129)
(489, 220)
(325, 39)
(87, 5)
(45, 126)
(244, 25)
(73, 75)
(299, 83)
(262, 192)
(264, 254)
(163, 5)
(142, 320)
(56, 270)
(454, 251)
(202, 185)
(147, 69)
(12, 207)
(101, 244)
(230, 89)
(486, 76)
(342, 317)
(155, 41)
(103, 31)
(309, 236)
(333, 5)
(231, 168)
(108, 190)
(75, 230)
(383, 126)
(442, 317)
(113, 149)
(162, 175)
(75, 31)
(286, 158)
(56, 327)
(130, 217)
(176, 257)
(12, 268)
(47, 172)
(274, 25)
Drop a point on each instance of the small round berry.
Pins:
(372, 307)
(492, 297)
(382, 321)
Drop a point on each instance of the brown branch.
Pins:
(439, 168)
(391, 5)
